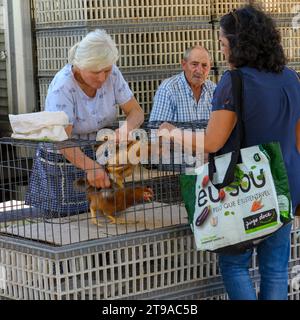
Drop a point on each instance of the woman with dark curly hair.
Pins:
(271, 112)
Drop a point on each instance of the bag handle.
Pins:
(229, 175)
(237, 91)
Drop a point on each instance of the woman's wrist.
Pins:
(93, 166)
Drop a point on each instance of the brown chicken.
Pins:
(119, 171)
(111, 201)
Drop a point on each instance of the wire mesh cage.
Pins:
(46, 198)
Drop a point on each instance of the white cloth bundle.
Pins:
(40, 126)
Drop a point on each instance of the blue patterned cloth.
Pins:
(51, 187)
(174, 101)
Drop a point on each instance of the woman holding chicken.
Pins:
(88, 89)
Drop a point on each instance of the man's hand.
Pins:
(168, 131)
(166, 126)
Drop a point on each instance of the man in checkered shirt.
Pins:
(186, 97)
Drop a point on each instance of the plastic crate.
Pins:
(275, 8)
(162, 265)
(144, 87)
(49, 13)
(43, 84)
(295, 66)
(141, 49)
(221, 7)
(136, 267)
(295, 242)
(218, 57)
(290, 39)
(281, 8)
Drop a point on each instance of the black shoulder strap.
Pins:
(237, 92)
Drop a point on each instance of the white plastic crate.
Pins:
(43, 89)
(135, 267)
(295, 66)
(79, 12)
(295, 242)
(276, 8)
(290, 39)
(144, 87)
(161, 265)
(281, 8)
(141, 49)
(222, 7)
(53, 48)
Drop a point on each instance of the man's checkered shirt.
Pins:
(174, 101)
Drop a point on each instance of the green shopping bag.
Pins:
(256, 204)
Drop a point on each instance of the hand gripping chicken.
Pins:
(119, 164)
(118, 198)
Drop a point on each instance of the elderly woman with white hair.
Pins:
(88, 89)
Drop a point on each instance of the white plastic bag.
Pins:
(41, 126)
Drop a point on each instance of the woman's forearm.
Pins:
(194, 142)
(134, 114)
(76, 156)
(134, 120)
(79, 159)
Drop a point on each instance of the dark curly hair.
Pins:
(253, 39)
